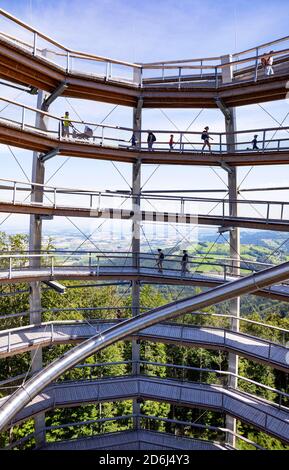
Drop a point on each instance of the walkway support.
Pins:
(136, 229)
(234, 239)
(43, 378)
(35, 237)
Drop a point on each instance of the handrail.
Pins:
(109, 320)
(142, 66)
(144, 131)
(60, 46)
(129, 195)
(139, 416)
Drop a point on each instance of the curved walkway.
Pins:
(145, 275)
(258, 412)
(43, 142)
(258, 223)
(24, 65)
(135, 440)
(19, 340)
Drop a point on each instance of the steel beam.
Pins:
(55, 94)
(35, 241)
(234, 239)
(136, 232)
(46, 156)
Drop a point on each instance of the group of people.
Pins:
(184, 261)
(151, 139)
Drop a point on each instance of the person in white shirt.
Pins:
(269, 63)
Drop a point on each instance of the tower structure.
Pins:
(219, 85)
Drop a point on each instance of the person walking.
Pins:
(254, 143)
(269, 62)
(171, 142)
(66, 124)
(184, 263)
(206, 138)
(151, 140)
(133, 140)
(160, 260)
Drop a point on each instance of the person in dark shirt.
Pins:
(171, 142)
(133, 140)
(151, 140)
(254, 142)
(184, 263)
(206, 138)
(160, 260)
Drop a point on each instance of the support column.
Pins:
(233, 359)
(35, 236)
(230, 123)
(136, 229)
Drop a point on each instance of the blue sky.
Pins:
(148, 31)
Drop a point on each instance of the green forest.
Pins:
(14, 299)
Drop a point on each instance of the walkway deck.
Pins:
(145, 275)
(19, 340)
(261, 413)
(135, 440)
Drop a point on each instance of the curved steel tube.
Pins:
(116, 333)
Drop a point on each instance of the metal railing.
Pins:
(119, 204)
(242, 66)
(22, 117)
(96, 263)
(145, 421)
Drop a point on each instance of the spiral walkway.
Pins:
(216, 82)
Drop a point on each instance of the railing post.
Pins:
(282, 210)
(52, 265)
(99, 200)
(90, 198)
(216, 77)
(264, 137)
(89, 260)
(181, 142)
(102, 135)
(256, 65)
(268, 210)
(34, 43)
(10, 268)
(67, 62)
(107, 71)
(180, 75)
(23, 119)
(54, 198)
(97, 267)
(220, 143)
(201, 68)
(14, 192)
(9, 342)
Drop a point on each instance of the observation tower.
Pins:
(38, 65)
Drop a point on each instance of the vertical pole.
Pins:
(136, 189)
(230, 123)
(35, 235)
(233, 359)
